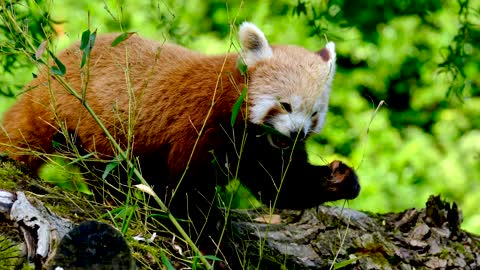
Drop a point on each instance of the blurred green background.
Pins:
(405, 108)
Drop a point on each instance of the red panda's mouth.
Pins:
(277, 139)
(281, 142)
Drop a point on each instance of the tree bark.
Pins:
(332, 238)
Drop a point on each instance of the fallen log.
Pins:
(334, 237)
(321, 238)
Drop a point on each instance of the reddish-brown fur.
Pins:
(173, 95)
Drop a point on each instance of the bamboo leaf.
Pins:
(86, 45)
(85, 39)
(238, 105)
(84, 59)
(59, 69)
(121, 38)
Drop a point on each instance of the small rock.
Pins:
(417, 243)
(434, 247)
(436, 263)
(460, 262)
(419, 232)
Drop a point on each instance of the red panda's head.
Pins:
(289, 86)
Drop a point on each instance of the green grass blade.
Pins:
(166, 262)
(342, 264)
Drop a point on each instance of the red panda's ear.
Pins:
(255, 46)
(329, 56)
(328, 53)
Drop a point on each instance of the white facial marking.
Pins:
(261, 108)
(288, 123)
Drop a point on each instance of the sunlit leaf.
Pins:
(83, 188)
(65, 176)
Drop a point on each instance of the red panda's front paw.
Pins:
(344, 180)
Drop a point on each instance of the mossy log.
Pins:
(321, 238)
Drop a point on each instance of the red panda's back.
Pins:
(159, 93)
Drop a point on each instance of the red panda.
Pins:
(178, 96)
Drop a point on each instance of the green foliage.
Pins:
(121, 38)
(65, 175)
(86, 44)
(411, 55)
(34, 18)
(421, 141)
(235, 195)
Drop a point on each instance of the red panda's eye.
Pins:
(286, 106)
